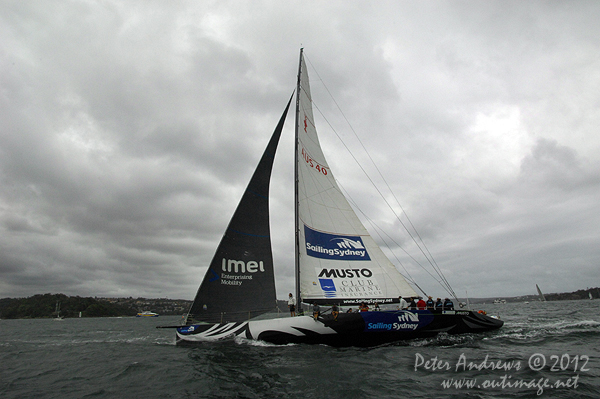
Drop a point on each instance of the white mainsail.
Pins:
(338, 260)
(542, 297)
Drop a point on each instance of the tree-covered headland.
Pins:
(45, 306)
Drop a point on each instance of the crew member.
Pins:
(402, 303)
(439, 304)
(430, 303)
(412, 305)
(335, 311)
(292, 305)
(316, 311)
(448, 304)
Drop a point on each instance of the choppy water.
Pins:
(129, 358)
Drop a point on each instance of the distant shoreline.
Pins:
(44, 305)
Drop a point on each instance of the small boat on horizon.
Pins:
(147, 313)
(57, 311)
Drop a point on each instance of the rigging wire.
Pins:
(378, 230)
(422, 247)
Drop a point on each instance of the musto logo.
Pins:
(329, 246)
(403, 321)
(348, 283)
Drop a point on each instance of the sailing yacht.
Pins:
(542, 298)
(57, 311)
(337, 262)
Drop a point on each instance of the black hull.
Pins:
(364, 329)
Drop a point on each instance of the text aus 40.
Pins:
(314, 164)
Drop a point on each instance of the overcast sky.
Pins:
(128, 131)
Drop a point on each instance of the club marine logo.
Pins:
(335, 247)
(328, 287)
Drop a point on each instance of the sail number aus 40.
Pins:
(313, 164)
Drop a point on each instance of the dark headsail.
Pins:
(240, 282)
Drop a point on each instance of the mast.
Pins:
(296, 224)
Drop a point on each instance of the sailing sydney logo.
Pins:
(329, 246)
(406, 321)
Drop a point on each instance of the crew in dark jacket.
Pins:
(448, 304)
(430, 303)
(439, 304)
